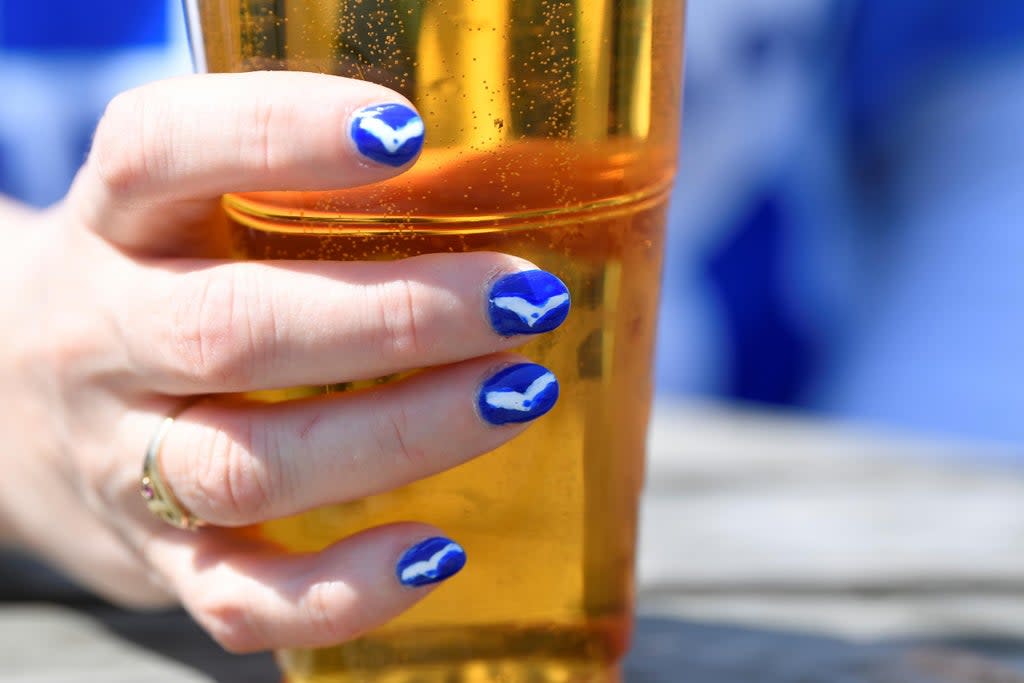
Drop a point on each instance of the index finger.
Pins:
(164, 153)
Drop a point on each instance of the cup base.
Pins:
(480, 671)
(481, 654)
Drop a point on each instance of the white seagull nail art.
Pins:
(390, 137)
(429, 567)
(509, 399)
(527, 311)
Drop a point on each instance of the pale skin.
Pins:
(112, 321)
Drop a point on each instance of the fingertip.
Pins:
(516, 394)
(527, 302)
(390, 134)
(430, 561)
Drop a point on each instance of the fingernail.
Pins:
(519, 393)
(390, 134)
(529, 302)
(430, 561)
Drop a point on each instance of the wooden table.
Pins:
(775, 550)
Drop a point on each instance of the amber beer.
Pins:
(551, 133)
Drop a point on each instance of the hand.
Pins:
(110, 325)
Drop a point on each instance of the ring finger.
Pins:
(236, 463)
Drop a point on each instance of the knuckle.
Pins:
(321, 606)
(213, 336)
(70, 345)
(225, 616)
(120, 153)
(401, 309)
(390, 431)
(261, 147)
(230, 479)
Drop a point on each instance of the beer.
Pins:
(551, 133)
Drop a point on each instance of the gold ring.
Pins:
(159, 498)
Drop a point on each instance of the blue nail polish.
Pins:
(430, 561)
(519, 393)
(529, 302)
(390, 134)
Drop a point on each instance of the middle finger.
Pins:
(226, 327)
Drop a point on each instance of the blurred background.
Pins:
(848, 229)
(847, 232)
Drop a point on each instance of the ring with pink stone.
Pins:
(155, 491)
